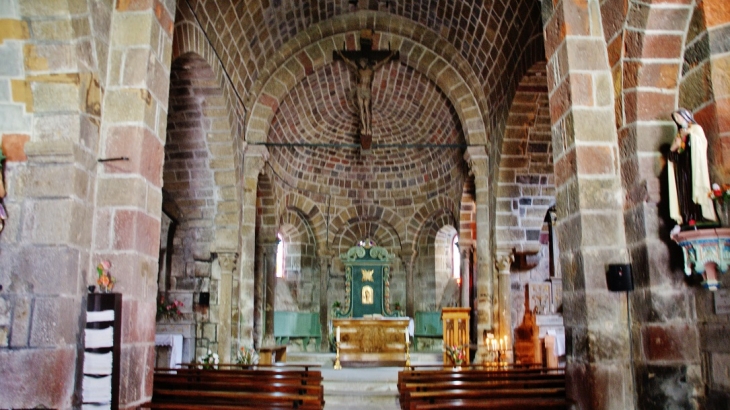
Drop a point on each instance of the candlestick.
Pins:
(337, 365)
(338, 334)
(407, 336)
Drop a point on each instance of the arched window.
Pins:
(279, 256)
(456, 259)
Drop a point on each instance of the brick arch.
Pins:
(221, 113)
(703, 82)
(526, 181)
(300, 244)
(366, 213)
(187, 172)
(645, 55)
(437, 204)
(382, 233)
(297, 225)
(429, 55)
(309, 209)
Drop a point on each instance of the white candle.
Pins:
(407, 336)
(338, 334)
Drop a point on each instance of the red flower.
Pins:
(691, 222)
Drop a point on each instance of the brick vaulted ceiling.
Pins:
(500, 40)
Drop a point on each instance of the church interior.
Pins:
(226, 168)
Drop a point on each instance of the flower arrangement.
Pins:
(105, 280)
(720, 194)
(247, 356)
(209, 361)
(456, 353)
(169, 310)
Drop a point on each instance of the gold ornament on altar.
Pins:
(367, 275)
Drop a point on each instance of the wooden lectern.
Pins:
(456, 329)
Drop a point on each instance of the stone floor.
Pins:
(359, 388)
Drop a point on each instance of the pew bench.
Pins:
(297, 325)
(415, 399)
(499, 404)
(512, 388)
(226, 389)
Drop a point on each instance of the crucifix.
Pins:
(365, 62)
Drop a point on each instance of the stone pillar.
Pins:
(465, 275)
(590, 206)
(324, 309)
(50, 175)
(127, 219)
(254, 159)
(478, 160)
(227, 263)
(503, 261)
(410, 289)
(269, 274)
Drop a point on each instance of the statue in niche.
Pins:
(689, 178)
(367, 295)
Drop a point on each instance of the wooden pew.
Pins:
(517, 388)
(499, 404)
(242, 388)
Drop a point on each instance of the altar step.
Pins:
(361, 388)
(367, 388)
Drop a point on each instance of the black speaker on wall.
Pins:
(618, 278)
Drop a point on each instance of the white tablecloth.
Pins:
(176, 342)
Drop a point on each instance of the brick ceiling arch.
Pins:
(188, 177)
(437, 66)
(526, 181)
(494, 38)
(441, 205)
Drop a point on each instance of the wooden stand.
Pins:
(102, 350)
(456, 330)
(271, 355)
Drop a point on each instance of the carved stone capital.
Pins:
(466, 252)
(478, 159)
(503, 261)
(227, 261)
(254, 158)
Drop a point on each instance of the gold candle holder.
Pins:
(338, 365)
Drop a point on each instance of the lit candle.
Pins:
(338, 334)
(407, 336)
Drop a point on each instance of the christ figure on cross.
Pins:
(365, 70)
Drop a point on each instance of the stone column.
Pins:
(227, 263)
(127, 218)
(410, 289)
(324, 310)
(590, 206)
(465, 275)
(269, 274)
(254, 159)
(478, 160)
(503, 261)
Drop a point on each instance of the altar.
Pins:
(366, 342)
(369, 332)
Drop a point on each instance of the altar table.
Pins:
(372, 342)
